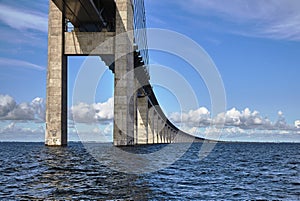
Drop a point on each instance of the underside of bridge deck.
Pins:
(89, 15)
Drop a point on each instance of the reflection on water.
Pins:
(231, 171)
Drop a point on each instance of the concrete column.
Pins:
(164, 133)
(155, 127)
(178, 137)
(174, 136)
(158, 128)
(142, 119)
(169, 135)
(161, 130)
(150, 125)
(124, 86)
(136, 115)
(56, 108)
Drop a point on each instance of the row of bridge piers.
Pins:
(152, 127)
(138, 118)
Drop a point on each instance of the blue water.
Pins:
(232, 171)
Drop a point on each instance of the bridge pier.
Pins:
(142, 120)
(155, 127)
(159, 129)
(124, 100)
(166, 134)
(56, 113)
(151, 117)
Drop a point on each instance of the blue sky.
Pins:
(254, 44)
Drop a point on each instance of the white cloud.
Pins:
(297, 124)
(83, 113)
(108, 129)
(104, 111)
(23, 19)
(89, 113)
(236, 122)
(39, 106)
(233, 119)
(36, 109)
(20, 63)
(7, 104)
(14, 127)
(199, 117)
(271, 19)
(23, 111)
(9, 110)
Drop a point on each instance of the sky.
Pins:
(254, 44)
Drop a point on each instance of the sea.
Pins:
(230, 171)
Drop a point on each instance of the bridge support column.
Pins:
(158, 129)
(56, 106)
(124, 97)
(168, 134)
(150, 125)
(142, 120)
(155, 127)
(174, 136)
(160, 124)
(164, 134)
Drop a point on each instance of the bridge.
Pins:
(138, 118)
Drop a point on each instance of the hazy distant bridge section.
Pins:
(78, 27)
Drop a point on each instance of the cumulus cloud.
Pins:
(36, 109)
(7, 104)
(245, 119)
(90, 113)
(233, 119)
(23, 111)
(199, 117)
(10, 110)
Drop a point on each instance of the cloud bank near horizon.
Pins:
(245, 119)
(235, 121)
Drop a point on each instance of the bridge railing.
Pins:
(140, 34)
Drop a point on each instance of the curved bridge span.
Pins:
(78, 27)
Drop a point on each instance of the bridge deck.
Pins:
(89, 15)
